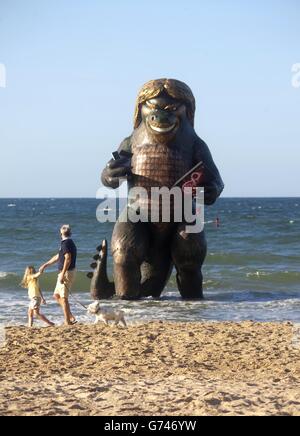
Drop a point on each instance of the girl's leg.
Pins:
(43, 318)
(124, 322)
(30, 318)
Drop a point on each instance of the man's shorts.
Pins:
(63, 290)
(35, 303)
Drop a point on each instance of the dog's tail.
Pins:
(101, 287)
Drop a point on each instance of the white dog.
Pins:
(106, 315)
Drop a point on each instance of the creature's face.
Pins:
(94, 308)
(163, 116)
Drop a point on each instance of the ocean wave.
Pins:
(246, 259)
(172, 309)
(283, 277)
(47, 281)
(3, 275)
(258, 274)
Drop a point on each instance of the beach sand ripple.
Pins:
(158, 368)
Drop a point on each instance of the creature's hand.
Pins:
(211, 194)
(44, 301)
(115, 170)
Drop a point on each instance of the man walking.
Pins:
(66, 260)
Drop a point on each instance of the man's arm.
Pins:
(67, 263)
(50, 262)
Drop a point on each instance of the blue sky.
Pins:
(74, 69)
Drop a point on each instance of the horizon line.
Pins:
(94, 198)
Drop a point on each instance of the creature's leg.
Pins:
(157, 267)
(130, 243)
(189, 252)
(156, 272)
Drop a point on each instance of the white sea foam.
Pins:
(3, 275)
(11, 205)
(258, 274)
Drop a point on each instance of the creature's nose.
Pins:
(160, 117)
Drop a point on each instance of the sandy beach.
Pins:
(159, 368)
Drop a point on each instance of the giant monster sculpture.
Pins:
(162, 148)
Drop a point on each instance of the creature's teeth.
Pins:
(90, 275)
(94, 265)
(162, 130)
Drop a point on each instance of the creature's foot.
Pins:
(192, 295)
(190, 285)
(129, 296)
(128, 281)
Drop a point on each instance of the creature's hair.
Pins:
(173, 88)
(29, 271)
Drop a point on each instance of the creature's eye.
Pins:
(150, 105)
(171, 108)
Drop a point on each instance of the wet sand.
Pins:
(152, 369)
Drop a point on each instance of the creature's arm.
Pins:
(117, 170)
(214, 184)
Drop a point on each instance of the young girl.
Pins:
(31, 282)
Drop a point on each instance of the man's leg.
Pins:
(69, 282)
(58, 299)
(66, 309)
(64, 303)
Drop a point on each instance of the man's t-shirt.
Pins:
(67, 246)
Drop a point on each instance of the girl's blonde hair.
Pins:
(29, 271)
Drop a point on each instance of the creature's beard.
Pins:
(164, 139)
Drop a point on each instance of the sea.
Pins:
(252, 270)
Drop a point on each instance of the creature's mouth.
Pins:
(163, 129)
